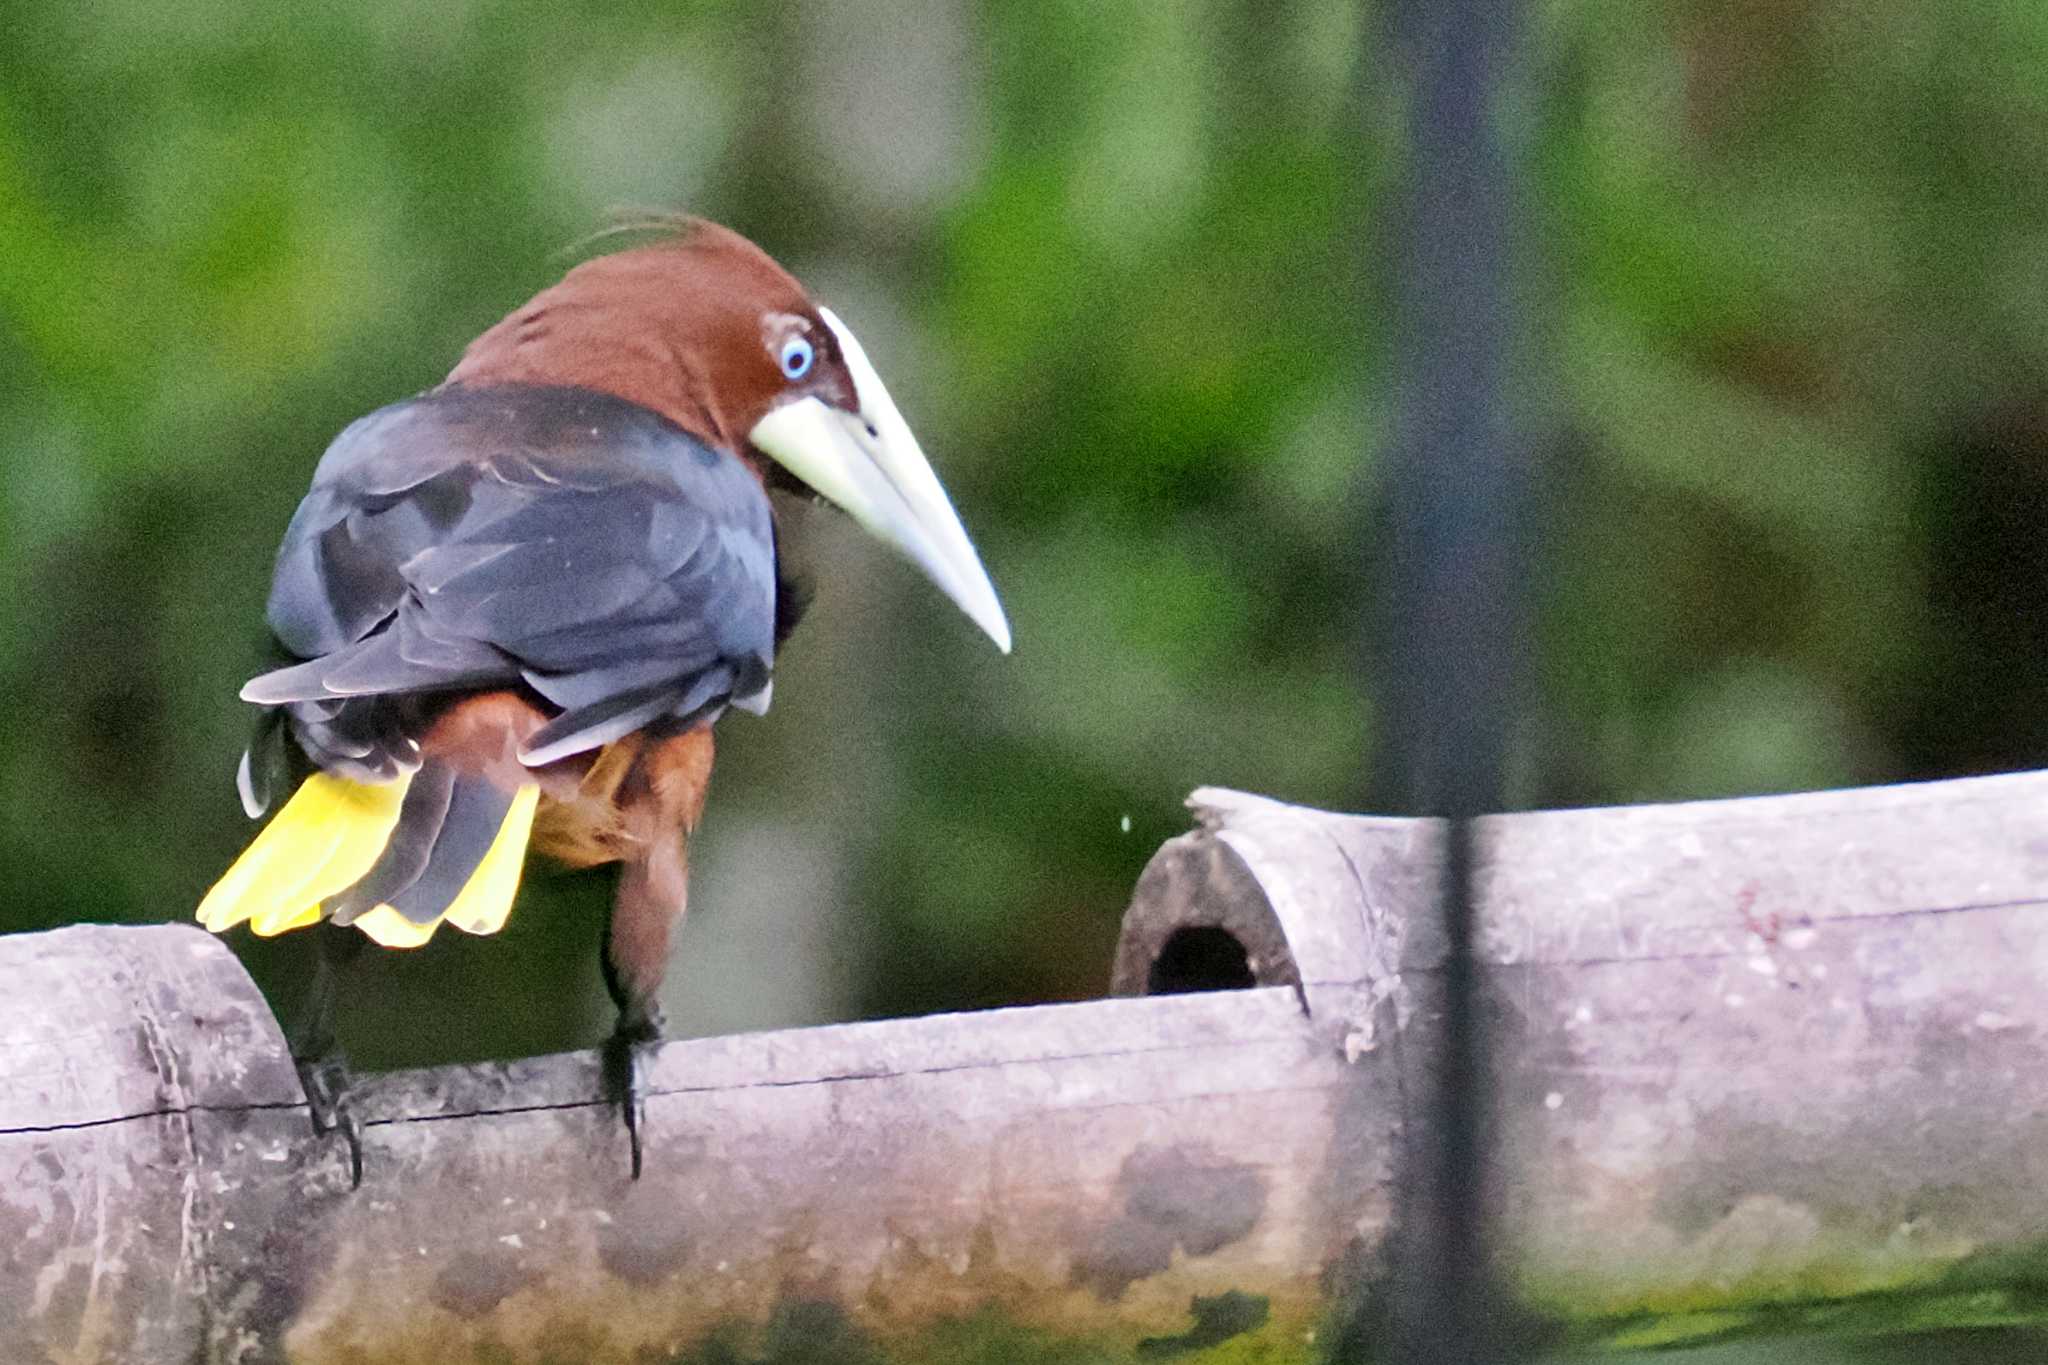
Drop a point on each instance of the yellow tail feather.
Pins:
(389, 929)
(325, 838)
(328, 835)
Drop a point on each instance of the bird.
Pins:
(511, 608)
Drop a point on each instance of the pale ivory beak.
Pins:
(869, 464)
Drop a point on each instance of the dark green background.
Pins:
(1123, 266)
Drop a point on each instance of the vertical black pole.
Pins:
(1457, 488)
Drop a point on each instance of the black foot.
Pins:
(622, 1082)
(326, 1082)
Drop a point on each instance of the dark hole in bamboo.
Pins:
(1200, 958)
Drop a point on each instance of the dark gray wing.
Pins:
(554, 536)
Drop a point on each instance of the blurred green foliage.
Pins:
(1122, 265)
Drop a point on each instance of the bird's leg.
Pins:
(323, 1068)
(658, 800)
(648, 905)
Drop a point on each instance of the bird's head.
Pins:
(703, 327)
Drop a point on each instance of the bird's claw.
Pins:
(326, 1082)
(623, 1085)
(635, 1107)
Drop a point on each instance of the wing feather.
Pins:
(561, 537)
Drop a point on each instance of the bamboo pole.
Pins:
(1769, 1064)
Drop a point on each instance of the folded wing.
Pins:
(556, 537)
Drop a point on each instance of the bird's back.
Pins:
(552, 539)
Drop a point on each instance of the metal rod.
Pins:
(1456, 498)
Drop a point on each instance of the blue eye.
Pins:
(796, 358)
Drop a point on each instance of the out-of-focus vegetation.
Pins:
(1788, 379)
(1108, 259)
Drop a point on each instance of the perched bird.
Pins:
(517, 603)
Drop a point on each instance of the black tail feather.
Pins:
(475, 812)
(265, 770)
(405, 857)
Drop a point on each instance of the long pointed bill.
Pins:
(869, 464)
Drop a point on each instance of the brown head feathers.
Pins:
(686, 324)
